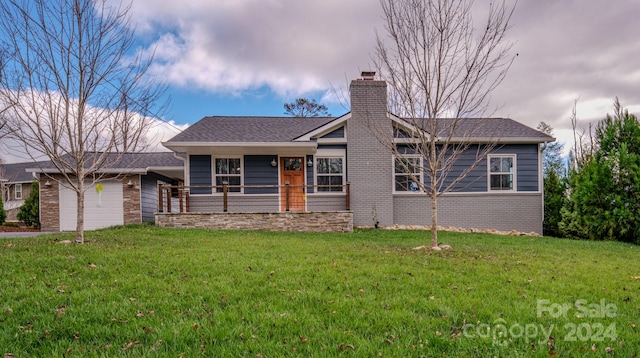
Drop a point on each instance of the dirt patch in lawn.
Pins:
(21, 228)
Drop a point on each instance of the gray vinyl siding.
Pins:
(149, 195)
(258, 171)
(200, 173)
(476, 181)
(526, 164)
(338, 133)
(310, 173)
(528, 167)
(326, 202)
(236, 203)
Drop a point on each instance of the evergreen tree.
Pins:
(554, 184)
(605, 193)
(554, 198)
(3, 214)
(29, 212)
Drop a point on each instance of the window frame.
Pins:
(419, 173)
(513, 172)
(215, 175)
(330, 154)
(16, 191)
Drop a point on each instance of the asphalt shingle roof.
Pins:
(485, 127)
(249, 129)
(16, 172)
(140, 160)
(285, 129)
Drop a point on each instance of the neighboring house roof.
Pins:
(16, 172)
(129, 163)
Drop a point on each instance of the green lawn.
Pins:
(146, 291)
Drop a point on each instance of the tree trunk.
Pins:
(434, 221)
(80, 213)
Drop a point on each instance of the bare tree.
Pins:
(583, 141)
(76, 93)
(303, 107)
(3, 106)
(441, 68)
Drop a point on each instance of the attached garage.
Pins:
(127, 191)
(102, 208)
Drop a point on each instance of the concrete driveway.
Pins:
(8, 235)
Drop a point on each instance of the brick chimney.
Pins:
(369, 164)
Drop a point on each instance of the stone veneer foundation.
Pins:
(325, 221)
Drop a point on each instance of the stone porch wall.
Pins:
(132, 213)
(49, 205)
(327, 221)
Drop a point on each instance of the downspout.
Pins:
(186, 170)
(37, 177)
(543, 146)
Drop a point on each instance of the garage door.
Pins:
(101, 209)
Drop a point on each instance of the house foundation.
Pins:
(318, 221)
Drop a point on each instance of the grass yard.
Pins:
(146, 291)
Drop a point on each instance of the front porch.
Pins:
(304, 208)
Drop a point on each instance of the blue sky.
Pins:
(190, 105)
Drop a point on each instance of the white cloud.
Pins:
(99, 124)
(570, 49)
(293, 47)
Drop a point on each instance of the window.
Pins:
(294, 164)
(501, 172)
(407, 173)
(228, 170)
(18, 191)
(330, 174)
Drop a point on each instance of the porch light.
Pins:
(130, 184)
(309, 162)
(47, 184)
(273, 162)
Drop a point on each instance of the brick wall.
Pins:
(505, 212)
(131, 199)
(49, 205)
(337, 221)
(369, 164)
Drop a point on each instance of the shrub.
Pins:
(29, 212)
(3, 214)
(554, 198)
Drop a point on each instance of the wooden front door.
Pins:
(292, 172)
